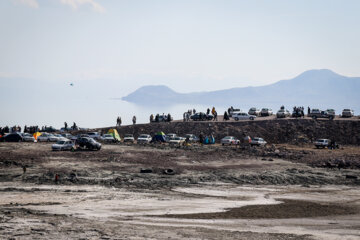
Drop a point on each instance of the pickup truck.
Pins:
(316, 113)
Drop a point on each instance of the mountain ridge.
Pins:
(321, 86)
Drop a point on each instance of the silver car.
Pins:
(63, 145)
(27, 137)
(256, 141)
(254, 111)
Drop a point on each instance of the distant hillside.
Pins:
(322, 87)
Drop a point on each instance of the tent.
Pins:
(159, 137)
(113, 132)
(209, 140)
(36, 135)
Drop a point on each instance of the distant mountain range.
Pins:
(314, 88)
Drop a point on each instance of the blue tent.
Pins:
(159, 137)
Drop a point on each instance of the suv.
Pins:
(254, 111)
(144, 138)
(266, 112)
(242, 116)
(347, 113)
(316, 113)
(89, 143)
(322, 143)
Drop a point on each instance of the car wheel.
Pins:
(314, 117)
(251, 118)
(236, 119)
(48, 140)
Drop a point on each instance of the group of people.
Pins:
(160, 118)
(8, 129)
(73, 127)
(299, 111)
(118, 121)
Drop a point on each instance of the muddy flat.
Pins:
(162, 192)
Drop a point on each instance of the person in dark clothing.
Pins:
(308, 110)
(208, 111)
(201, 138)
(169, 117)
(215, 116)
(65, 125)
(226, 116)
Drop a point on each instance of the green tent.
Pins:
(115, 134)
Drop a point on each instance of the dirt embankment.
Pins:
(272, 130)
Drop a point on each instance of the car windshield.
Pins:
(346, 110)
(256, 139)
(107, 135)
(143, 136)
(60, 142)
(128, 135)
(228, 137)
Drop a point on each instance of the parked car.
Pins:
(67, 135)
(282, 113)
(12, 137)
(144, 138)
(322, 143)
(88, 143)
(48, 137)
(63, 145)
(347, 113)
(192, 138)
(27, 137)
(177, 141)
(297, 114)
(170, 136)
(94, 135)
(243, 116)
(254, 111)
(266, 112)
(229, 140)
(108, 138)
(331, 111)
(129, 138)
(200, 116)
(256, 141)
(316, 113)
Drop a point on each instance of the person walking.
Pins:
(134, 120)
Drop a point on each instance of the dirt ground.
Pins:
(160, 192)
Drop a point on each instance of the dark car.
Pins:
(200, 116)
(12, 137)
(88, 143)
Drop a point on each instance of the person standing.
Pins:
(65, 125)
(134, 120)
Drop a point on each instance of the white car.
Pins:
(144, 138)
(192, 138)
(243, 116)
(108, 138)
(230, 140)
(170, 136)
(256, 141)
(254, 111)
(47, 137)
(347, 113)
(129, 138)
(63, 145)
(322, 143)
(177, 141)
(27, 137)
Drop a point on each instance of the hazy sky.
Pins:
(188, 45)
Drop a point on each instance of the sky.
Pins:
(188, 45)
(117, 46)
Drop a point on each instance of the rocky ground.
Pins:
(199, 192)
